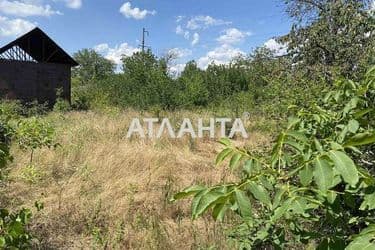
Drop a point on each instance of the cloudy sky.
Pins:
(209, 30)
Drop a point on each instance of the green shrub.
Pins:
(13, 233)
(11, 108)
(61, 105)
(81, 98)
(31, 174)
(5, 137)
(33, 133)
(35, 108)
(13, 225)
(313, 188)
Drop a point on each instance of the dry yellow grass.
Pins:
(103, 191)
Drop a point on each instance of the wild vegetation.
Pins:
(329, 40)
(70, 179)
(314, 186)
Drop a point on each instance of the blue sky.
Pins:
(206, 30)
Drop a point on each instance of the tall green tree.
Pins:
(192, 88)
(331, 36)
(148, 80)
(92, 66)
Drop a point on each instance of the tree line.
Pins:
(329, 39)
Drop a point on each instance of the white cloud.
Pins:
(373, 5)
(115, 54)
(175, 67)
(74, 4)
(204, 22)
(26, 8)
(220, 55)
(179, 53)
(182, 32)
(179, 18)
(175, 70)
(277, 48)
(14, 27)
(195, 39)
(186, 35)
(179, 30)
(102, 48)
(233, 36)
(129, 12)
(186, 29)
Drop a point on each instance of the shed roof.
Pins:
(41, 48)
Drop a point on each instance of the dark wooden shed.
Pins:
(33, 67)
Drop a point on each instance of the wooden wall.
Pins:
(30, 81)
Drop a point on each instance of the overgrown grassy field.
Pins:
(304, 179)
(100, 189)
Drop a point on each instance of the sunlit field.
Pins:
(101, 189)
(197, 125)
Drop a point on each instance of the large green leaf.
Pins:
(361, 139)
(195, 202)
(280, 211)
(225, 141)
(352, 104)
(318, 145)
(235, 160)
(369, 202)
(260, 193)
(306, 175)
(362, 242)
(205, 201)
(222, 155)
(250, 167)
(243, 203)
(299, 205)
(188, 192)
(218, 211)
(363, 112)
(294, 145)
(292, 121)
(297, 135)
(323, 174)
(345, 166)
(353, 126)
(278, 196)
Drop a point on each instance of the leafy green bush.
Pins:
(33, 133)
(61, 105)
(11, 108)
(313, 188)
(13, 233)
(16, 109)
(13, 225)
(81, 98)
(35, 108)
(6, 133)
